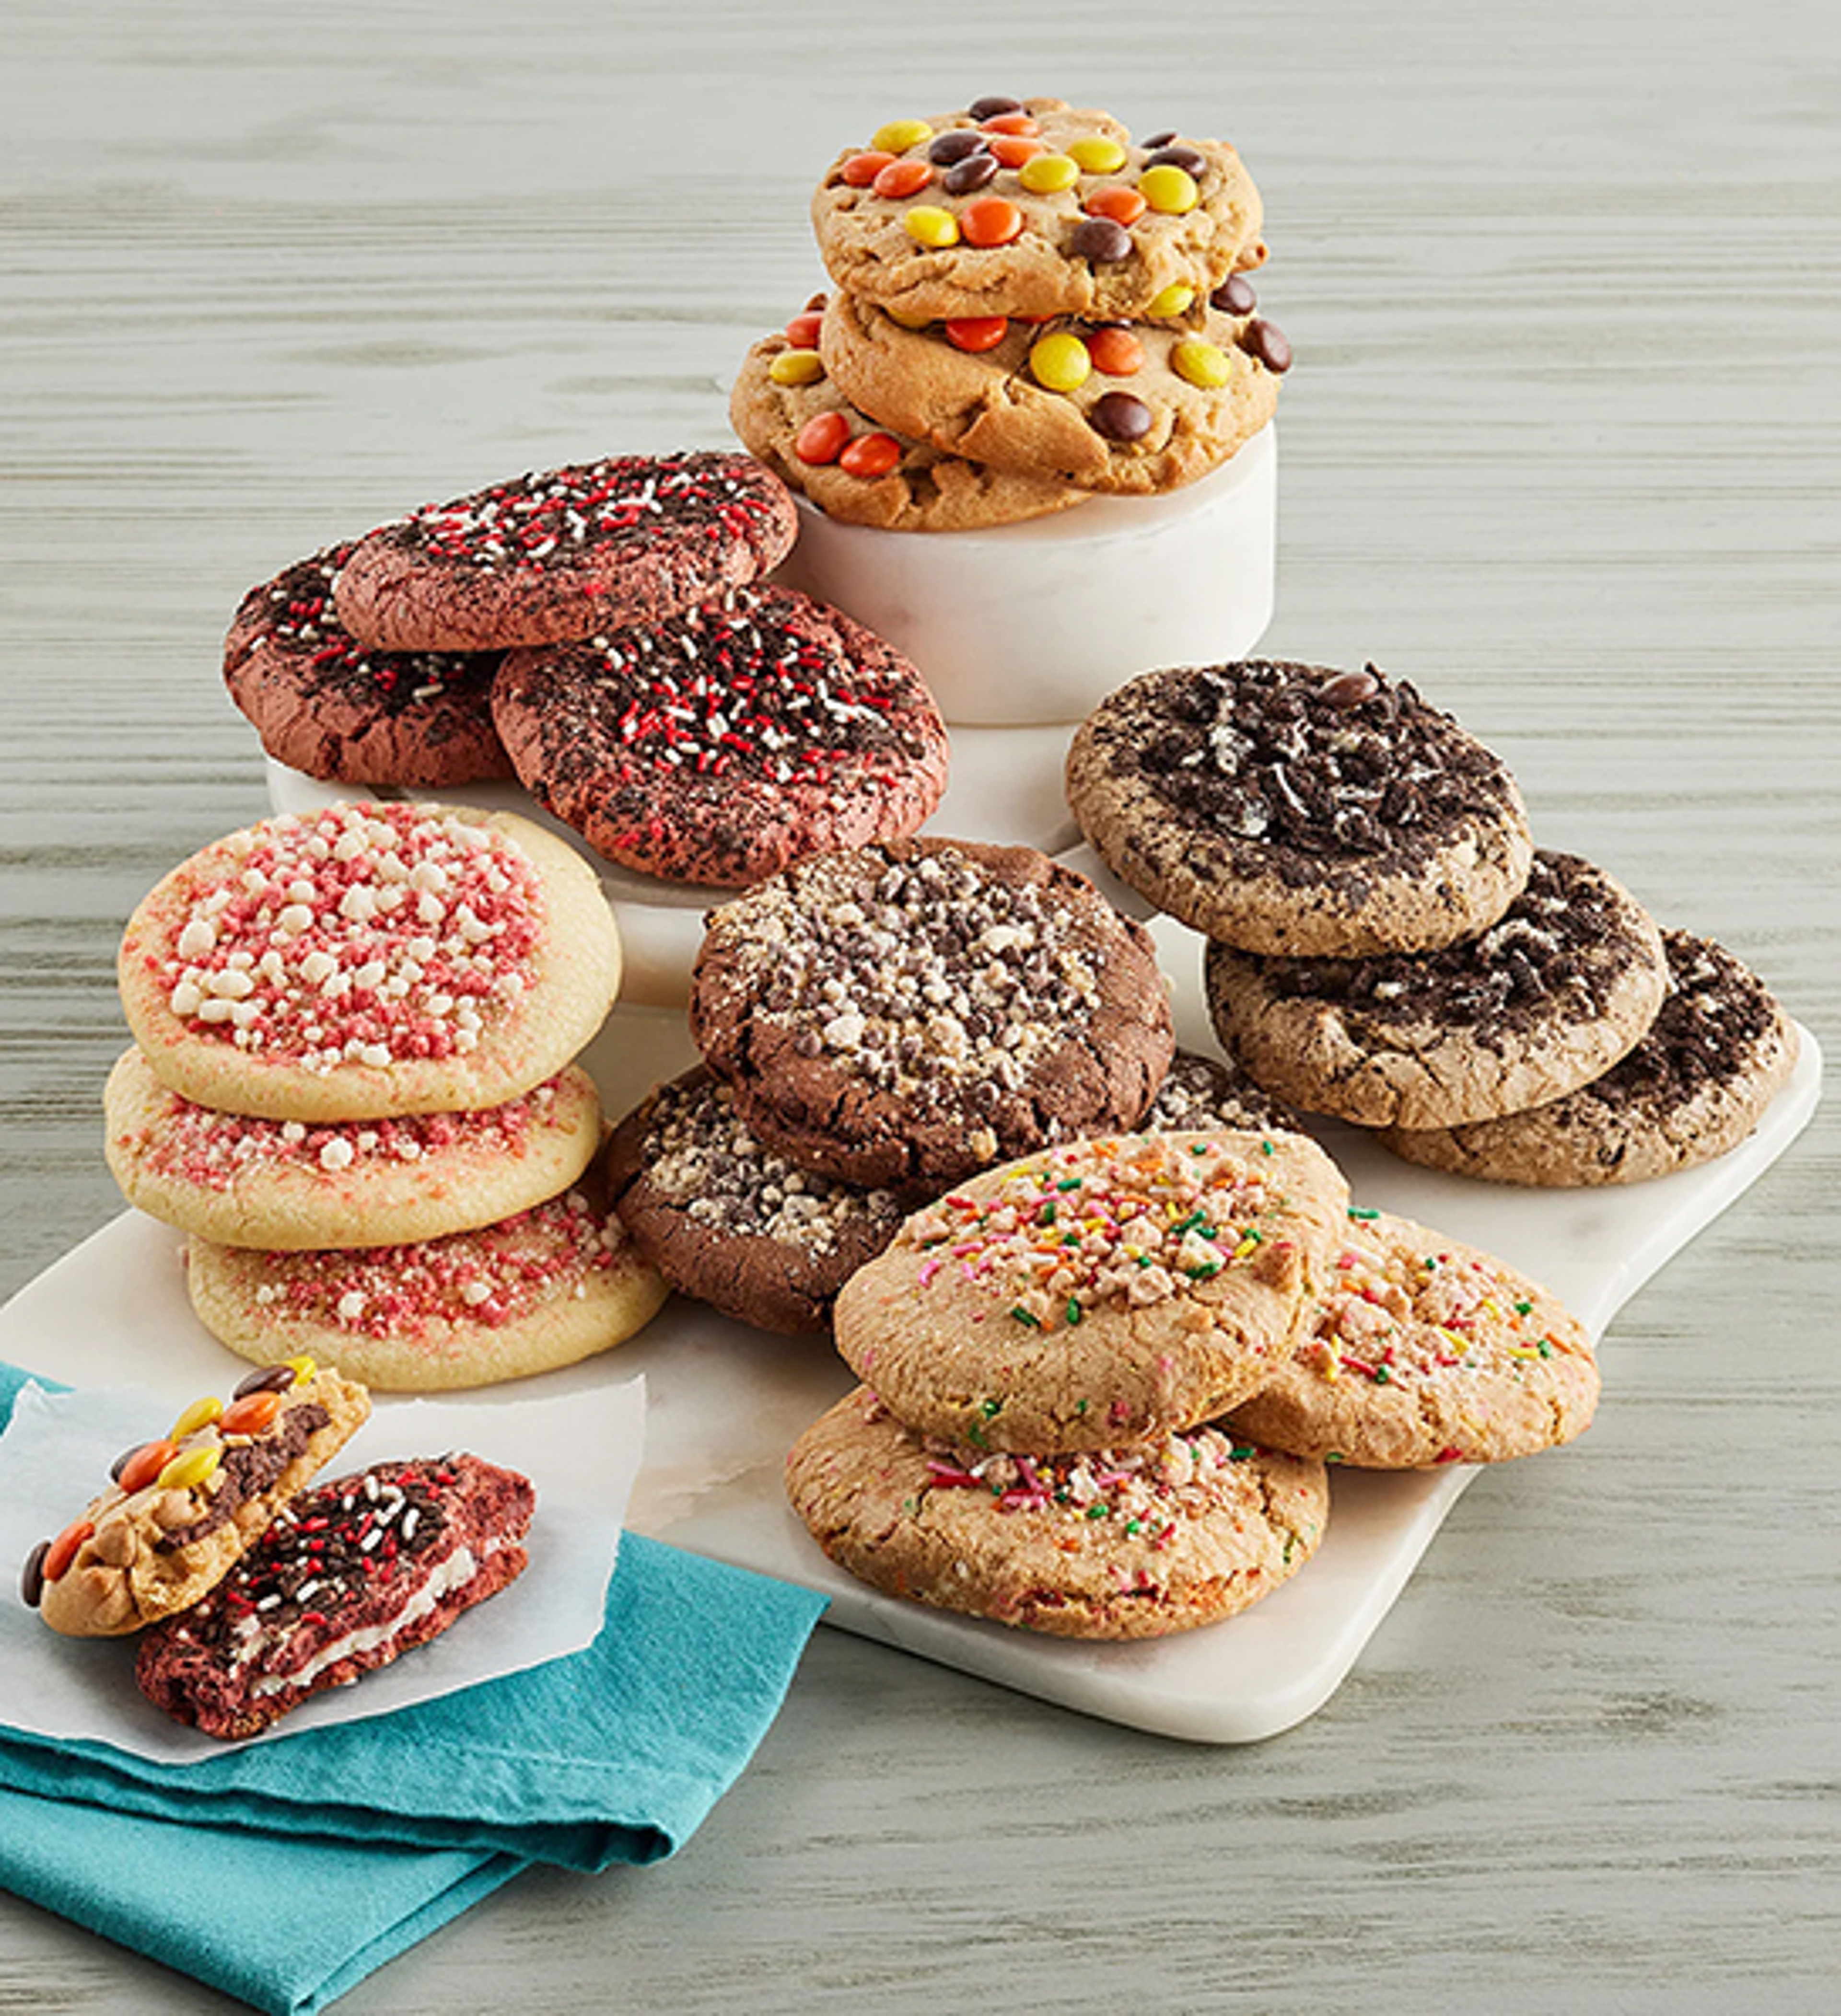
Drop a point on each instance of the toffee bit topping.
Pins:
(364, 934)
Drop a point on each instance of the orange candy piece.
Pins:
(822, 438)
(903, 176)
(62, 1550)
(1010, 122)
(250, 1415)
(1011, 150)
(145, 1464)
(991, 220)
(861, 170)
(1116, 351)
(976, 333)
(1124, 206)
(803, 331)
(870, 454)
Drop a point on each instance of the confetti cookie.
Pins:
(1030, 207)
(370, 960)
(1295, 811)
(547, 558)
(1719, 1050)
(788, 412)
(722, 745)
(730, 1222)
(1106, 405)
(286, 1183)
(1099, 1292)
(182, 1508)
(1422, 1351)
(898, 1016)
(325, 705)
(351, 1574)
(1542, 1002)
(1180, 1530)
(543, 1288)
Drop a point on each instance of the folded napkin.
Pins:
(397, 1822)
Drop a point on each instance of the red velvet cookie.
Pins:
(326, 705)
(573, 551)
(720, 745)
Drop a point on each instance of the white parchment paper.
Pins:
(581, 1451)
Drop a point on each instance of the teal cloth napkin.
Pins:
(396, 1823)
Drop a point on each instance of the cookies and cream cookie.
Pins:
(566, 552)
(1098, 1292)
(720, 745)
(896, 1016)
(1034, 206)
(246, 1181)
(1719, 1051)
(369, 959)
(1546, 999)
(788, 410)
(1293, 810)
(184, 1506)
(1156, 1537)
(1423, 1351)
(1108, 406)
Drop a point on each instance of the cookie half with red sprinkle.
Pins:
(350, 1575)
(566, 552)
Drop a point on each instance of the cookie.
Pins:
(1031, 207)
(544, 1288)
(548, 557)
(183, 1507)
(1424, 1351)
(327, 706)
(1544, 1001)
(1291, 810)
(897, 1016)
(1211, 1095)
(1719, 1051)
(243, 1182)
(1099, 1292)
(1133, 1542)
(1104, 405)
(720, 746)
(791, 415)
(728, 1223)
(369, 959)
(350, 1576)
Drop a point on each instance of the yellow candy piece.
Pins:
(1061, 362)
(1204, 364)
(796, 367)
(1098, 155)
(899, 135)
(1044, 174)
(302, 1367)
(928, 224)
(1168, 188)
(200, 1414)
(190, 1466)
(1174, 300)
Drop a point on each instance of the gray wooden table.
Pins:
(1561, 445)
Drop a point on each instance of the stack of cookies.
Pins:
(1030, 309)
(352, 1087)
(1387, 945)
(604, 632)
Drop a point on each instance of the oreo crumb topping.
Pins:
(1200, 1096)
(1713, 1020)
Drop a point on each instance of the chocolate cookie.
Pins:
(1133, 1542)
(183, 1507)
(328, 706)
(1211, 1095)
(1719, 1051)
(730, 1223)
(1422, 1351)
(546, 558)
(1098, 1292)
(897, 1016)
(349, 1577)
(1288, 809)
(1543, 1001)
(1031, 207)
(1140, 407)
(720, 746)
(369, 959)
(789, 413)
